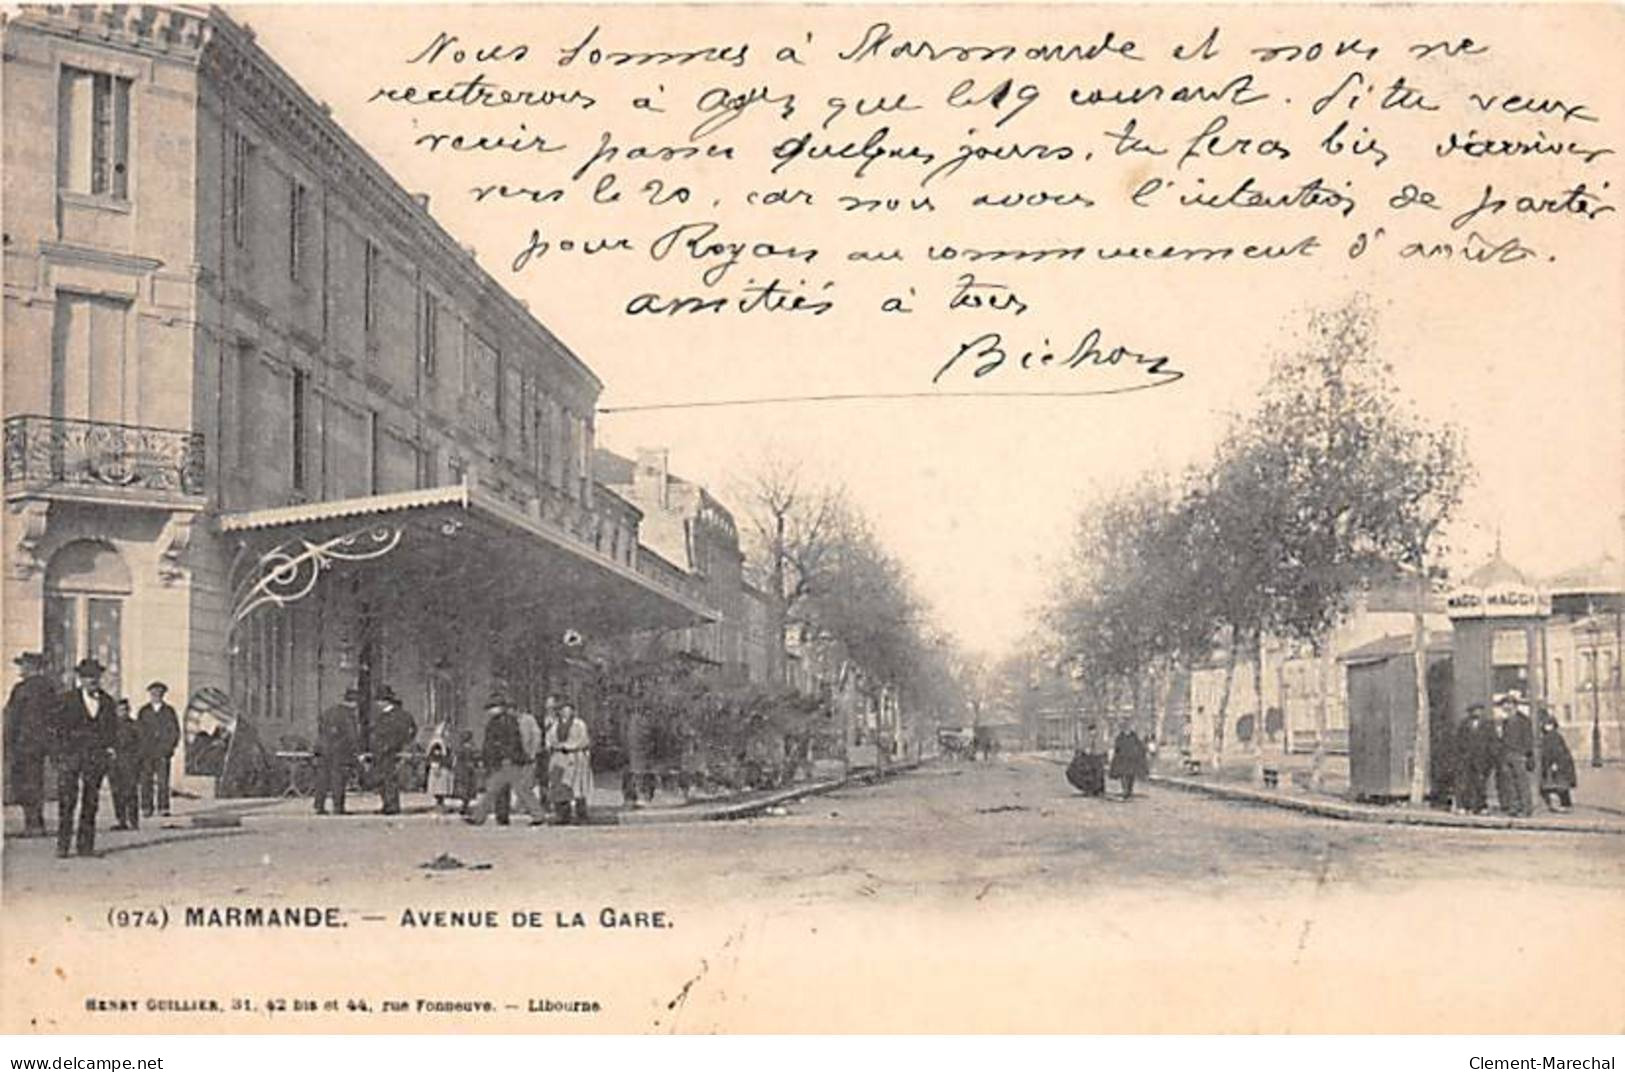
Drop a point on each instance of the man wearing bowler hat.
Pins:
(83, 739)
(391, 732)
(29, 711)
(336, 734)
(160, 735)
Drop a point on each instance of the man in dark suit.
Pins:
(82, 744)
(29, 713)
(507, 766)
(1517, 760)
(393, 730)
(160, 735)
(1474, 756)
(336, 739)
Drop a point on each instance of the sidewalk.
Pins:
(1596, 808)
(604, 810)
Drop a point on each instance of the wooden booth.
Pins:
(1382, 714)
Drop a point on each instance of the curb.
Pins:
(1358, 813)
(750, 808)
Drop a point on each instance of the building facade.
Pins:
(269, 429)
(690, 528)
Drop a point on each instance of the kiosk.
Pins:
(1498, 616)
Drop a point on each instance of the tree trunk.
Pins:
(776, 656)
(1258, 709)
(1421, 751)
(1317, 765)
(1164, 696)
(1224, 708)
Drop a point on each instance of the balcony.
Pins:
(60, 455)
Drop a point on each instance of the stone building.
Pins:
(269, 429)
(689, 527)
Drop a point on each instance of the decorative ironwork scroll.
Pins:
(288, 572)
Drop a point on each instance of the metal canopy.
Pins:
(454, 544)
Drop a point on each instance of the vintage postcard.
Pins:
(813, 518)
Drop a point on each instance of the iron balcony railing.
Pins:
(52, 451)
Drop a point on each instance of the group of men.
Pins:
(521, 754)
(88, 737)
(1503, 749)
(339, 749)
(518, 755)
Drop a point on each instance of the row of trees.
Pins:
(1329, 482)
(833, 583)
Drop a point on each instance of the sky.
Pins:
(978, 496)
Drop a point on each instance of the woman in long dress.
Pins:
(1557, 778)
(569, 746)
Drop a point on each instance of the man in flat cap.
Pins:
(29, 711)
(82, 744)
(336, 741)
(160, 735)
(392, 731)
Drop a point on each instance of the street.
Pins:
(987, 871)
(947, 832)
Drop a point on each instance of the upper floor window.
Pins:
(369, 287)
(431, 334)
(301, 429)
(298, 198)
(242, 158)
(94, 133)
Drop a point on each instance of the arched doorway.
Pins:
(86, 584)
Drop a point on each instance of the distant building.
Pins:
(1292, 677)
(690, 528)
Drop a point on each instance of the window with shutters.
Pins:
(91, 377)
(93, 143)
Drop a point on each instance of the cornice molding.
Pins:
(172, 32)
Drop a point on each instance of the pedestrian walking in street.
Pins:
(1129, 760)
(1557, 777)
(442, 779)
(392, 731)
(160, 736)
(336, 746)
(30, 711)
(1515, 760)
(125, 772)
(570, 768)
(83, 734)
(507, 766)
(1474, 756)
